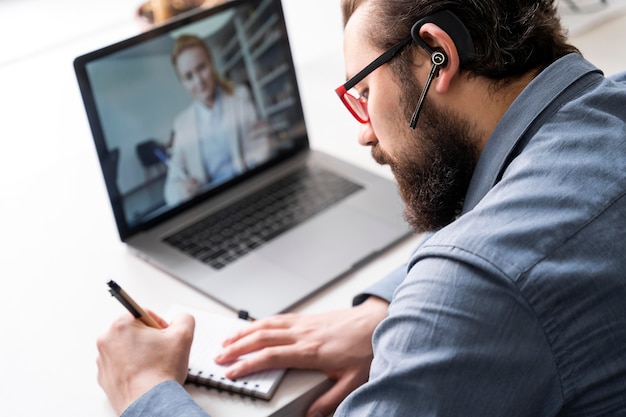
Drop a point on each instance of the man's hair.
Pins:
(511, 37)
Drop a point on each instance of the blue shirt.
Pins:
(518, 308)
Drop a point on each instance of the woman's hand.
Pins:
(191, 187)
(338, 343)
(133, 358)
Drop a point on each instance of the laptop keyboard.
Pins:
(232, 232)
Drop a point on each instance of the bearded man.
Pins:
(509, 150)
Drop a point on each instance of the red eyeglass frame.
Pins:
(358, 105)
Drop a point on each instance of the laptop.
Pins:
(214, 181)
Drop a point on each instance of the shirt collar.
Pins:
(545, 91)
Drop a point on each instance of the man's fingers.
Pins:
(276, 322)
(253, 342)
(269, 358)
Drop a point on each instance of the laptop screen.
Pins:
(184, 111)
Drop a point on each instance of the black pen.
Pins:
(138, 312)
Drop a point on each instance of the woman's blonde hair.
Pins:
(185, 42)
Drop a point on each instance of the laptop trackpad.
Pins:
(329, 244)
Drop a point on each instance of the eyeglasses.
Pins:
(356, 103)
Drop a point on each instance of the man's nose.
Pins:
(366, 136)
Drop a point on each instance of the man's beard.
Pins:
(435, 168)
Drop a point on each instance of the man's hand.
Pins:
(338, 343)
(133, 358)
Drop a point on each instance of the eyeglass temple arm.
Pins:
(390, 53)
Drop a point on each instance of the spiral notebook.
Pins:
(211, 329)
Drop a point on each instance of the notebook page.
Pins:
(211, 329)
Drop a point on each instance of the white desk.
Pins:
(60, 245)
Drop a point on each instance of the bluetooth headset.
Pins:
(459, 34)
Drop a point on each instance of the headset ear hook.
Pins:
(458, 32)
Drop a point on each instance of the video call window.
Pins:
(191, 110)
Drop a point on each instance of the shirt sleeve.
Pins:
(387, 286)
(458, 336)
(384, 288)
(168, 399)
(619, 77)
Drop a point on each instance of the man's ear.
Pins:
(439, 40)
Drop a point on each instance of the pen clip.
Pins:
(116, 291)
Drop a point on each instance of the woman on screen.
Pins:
(219, 134)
